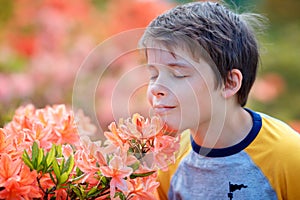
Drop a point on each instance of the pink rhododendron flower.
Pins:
(39, 133)
(16, 179)
(115, 136)
(142, 189)
(139, 128)
(9, 169)
(50, 125)
(164, 148)
(145, 138)
(117, 170)
(67, 151)
(4, 140)
(88, 158)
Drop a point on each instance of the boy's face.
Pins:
(181, 91)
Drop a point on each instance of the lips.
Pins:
(161, 109)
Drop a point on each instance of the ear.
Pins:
(233, 83)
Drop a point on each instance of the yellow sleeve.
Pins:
(291, 174)
(287, 167)
(277, 154)
(164, 177)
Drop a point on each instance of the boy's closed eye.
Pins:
(179, 74)
(179, 70)
(174, 71)
(153, 72)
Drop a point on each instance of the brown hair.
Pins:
(226, 37)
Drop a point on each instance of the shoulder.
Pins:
(277, 139)
(285, 141)
(276, 150)
(279, 134)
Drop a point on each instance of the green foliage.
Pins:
(48, 164)
(135, 175)
(6, 10)
(120, 195)
(282, 12)
(6, 114)
(14, 64)
(243, 5)
(100, 4)
(39, 161)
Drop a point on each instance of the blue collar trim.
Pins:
(222, 152)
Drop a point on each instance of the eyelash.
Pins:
(180, 76)
(153, 77)
(176, 76)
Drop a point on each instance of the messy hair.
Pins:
(210, 30)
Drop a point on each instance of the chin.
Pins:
(172, 129)
(172, 123)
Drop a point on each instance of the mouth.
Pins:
(161, 109)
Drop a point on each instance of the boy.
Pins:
(203, 60)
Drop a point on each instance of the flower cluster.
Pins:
(42, 156)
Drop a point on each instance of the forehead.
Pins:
(164, 55)
(162, 51)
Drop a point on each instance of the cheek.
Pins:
(189, 94)
(196, 96)
(189, 106)
(149, 96)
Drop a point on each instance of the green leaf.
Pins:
(135, 166)
(69, 165)
(76, 190)
(93, 192)
(61, 167)
(26, 159)
(63, 178)
(82, 192)
(58, 151)
(52, 178)
(50, 156)
(26, 154)
(40, 157)
(40, 168)
(78, 177)
(135, 175)
(56, 169)
(104, 180)
(78, 171)
(34, 154)
(121, 195)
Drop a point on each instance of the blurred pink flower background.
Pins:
(45, 42)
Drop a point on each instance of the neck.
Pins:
(224, 131)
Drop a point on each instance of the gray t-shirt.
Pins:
(199, 177)
(227, 173)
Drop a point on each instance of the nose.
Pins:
(158, 90)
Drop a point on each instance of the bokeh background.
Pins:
(44, 42)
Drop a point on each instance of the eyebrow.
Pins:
(178, 64)
(173, 65)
